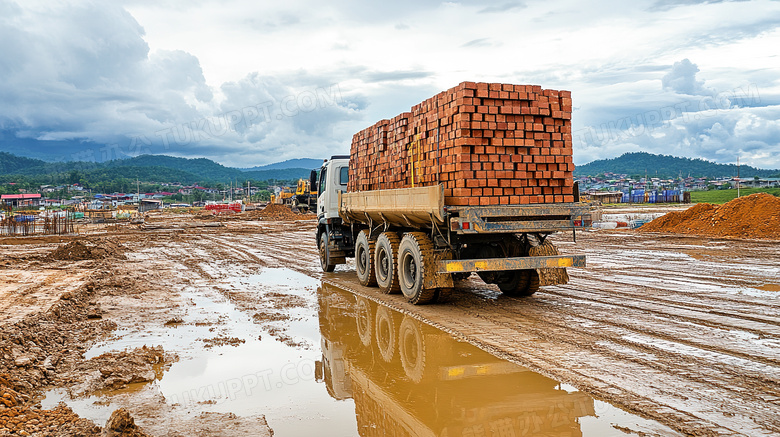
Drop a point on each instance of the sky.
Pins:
(248, 83)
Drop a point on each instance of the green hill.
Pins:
(118, 175)
(667, 166)
(205, 169)
(13, 164)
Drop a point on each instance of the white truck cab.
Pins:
(334, 175)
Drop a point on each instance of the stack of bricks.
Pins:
(486, 143)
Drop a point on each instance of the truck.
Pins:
(421, 238)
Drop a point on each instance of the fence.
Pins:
(656, 196)
(29, 224)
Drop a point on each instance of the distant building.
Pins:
(21, 200)
(149, 205)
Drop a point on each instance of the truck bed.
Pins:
(421, 207)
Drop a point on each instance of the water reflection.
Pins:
(408, 378)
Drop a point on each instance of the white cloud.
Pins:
(101, 72)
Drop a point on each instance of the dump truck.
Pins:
(472, 180)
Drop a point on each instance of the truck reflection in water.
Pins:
(408, 378)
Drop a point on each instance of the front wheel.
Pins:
(325, 261)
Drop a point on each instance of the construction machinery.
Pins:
(305, 198)
(472, 180)
(407, 240)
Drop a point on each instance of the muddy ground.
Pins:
(682, 332)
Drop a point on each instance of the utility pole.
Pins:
(737, 177)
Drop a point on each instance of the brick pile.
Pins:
(487, 143)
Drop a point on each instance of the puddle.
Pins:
(363, 370)
(408, 378)
(769, 287)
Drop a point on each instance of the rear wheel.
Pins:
(385, 256)
(325, 262)
(519, 283)
(414, 249)
(364, 259)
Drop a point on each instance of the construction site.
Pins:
(443, 279)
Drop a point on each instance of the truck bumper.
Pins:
(519, 263)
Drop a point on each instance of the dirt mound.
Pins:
(275, 211)
(77, 251)
(61, 421)
(754, 216)
(121, 424)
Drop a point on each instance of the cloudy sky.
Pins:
(251, 82)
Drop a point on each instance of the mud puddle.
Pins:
(409, 378)
(316, 360)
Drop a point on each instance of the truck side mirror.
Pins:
(313, 180)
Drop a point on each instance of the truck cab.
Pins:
(333, 178)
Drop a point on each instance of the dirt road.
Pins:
(682, 331)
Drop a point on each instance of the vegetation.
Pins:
(666, 166)
(723, 196)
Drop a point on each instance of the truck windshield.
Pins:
(343, 175)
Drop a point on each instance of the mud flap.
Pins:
(434, 279)
(552, 276)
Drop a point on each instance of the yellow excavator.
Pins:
(305, 197)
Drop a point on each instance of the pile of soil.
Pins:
(755, 216)
(275, 211)
(78, 251)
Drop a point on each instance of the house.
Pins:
(21, 200)
(149, 205)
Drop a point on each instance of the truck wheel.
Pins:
(385, 256)
(325, 261)
(385, 333)
(364, 259)
(411, 348)
(519, 283)
(414, 249)
(442, 295)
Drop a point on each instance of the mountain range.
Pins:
(290, 163)
(162, 168)
(666, 166)
(158, 168)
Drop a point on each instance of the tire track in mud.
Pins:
(682, 297)
(669, 310)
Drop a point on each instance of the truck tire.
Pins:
(415, 249)
(364, 259)
(385, 262)
(442, 295)
(325, 262)
(519, 283)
